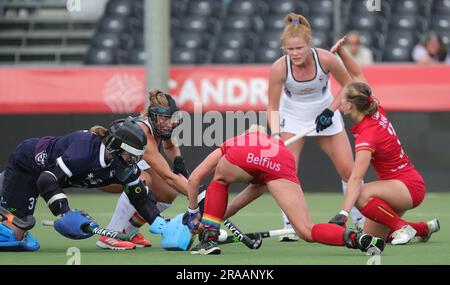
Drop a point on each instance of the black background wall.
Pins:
(425, 138)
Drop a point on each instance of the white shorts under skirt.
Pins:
(298, 116)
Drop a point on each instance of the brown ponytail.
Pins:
(100, 131)
(155, 98)
(296, 26)
(360, 94)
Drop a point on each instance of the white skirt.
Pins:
(298, 116)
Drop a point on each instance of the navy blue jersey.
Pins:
(81, 155)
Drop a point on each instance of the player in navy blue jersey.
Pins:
(158, 120)
(45, 166)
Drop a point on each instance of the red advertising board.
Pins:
(222, 88)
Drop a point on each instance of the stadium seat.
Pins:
(371, 39)
(224, 55)
(406, 7)
(138, 8)
(127, 41)
(139, 41)
(274, 22)
(238, 39)
(100, 56)
(440, 22)
(322, 7)
(247, 7)
(283, 7)
(239, 23)
(116, 24)
(119, 8)
(267, 55)
(192, 40)
(178, 8)
(271, 39)
(402, 38)
(204, 8)
(188, 56)
(198, 24)
(408, 22)
(106, 40)
(365, 22)
(397, 54)
(441, 7)
(322, 39)
(321, 22)
(445, 35)
(136, 56)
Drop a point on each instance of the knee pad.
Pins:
(8, 241)
(176, 236)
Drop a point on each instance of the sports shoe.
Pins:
(288, 237)
(366, 243)
(209, 244)
(114, 244)
(433, 227)
(403, 235)
(369, 244)
(140, 241)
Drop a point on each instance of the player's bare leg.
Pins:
(296, 149)
(338, 149)
(384, 202)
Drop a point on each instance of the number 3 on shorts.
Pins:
(32, 203)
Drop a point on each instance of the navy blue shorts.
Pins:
(20, 193)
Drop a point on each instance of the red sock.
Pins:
(215, 204)
(330, 234)
(420, 227)
(380, 212)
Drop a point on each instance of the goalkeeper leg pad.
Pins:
(158, 226)
(176, 236)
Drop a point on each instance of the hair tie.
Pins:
(296, 21)
(370, 99)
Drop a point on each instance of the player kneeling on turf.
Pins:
(264, 161)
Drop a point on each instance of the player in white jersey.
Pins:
(300, 96)
(158, 121)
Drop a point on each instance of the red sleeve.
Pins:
(226, 144)
(366, 141)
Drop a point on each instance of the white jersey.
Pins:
(303, 101)
(143, 165)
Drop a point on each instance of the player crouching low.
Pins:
(45, 166)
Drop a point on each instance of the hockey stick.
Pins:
(89, 228)
(300, 135)
(25, 223)
(253, 242)
(224, 239)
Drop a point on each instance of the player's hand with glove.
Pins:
(179, 166)
(192, 220)
(72, 223)
(324, 120)
(340, 219)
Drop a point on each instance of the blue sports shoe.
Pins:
(29, 243)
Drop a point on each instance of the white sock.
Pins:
(354, 212)
(123, 212)
(286, 222)
(163, 206)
